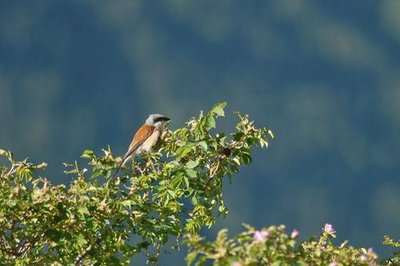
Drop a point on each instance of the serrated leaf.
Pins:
(194, 200)
(191, 173)
(203, 145)
(218, 109)
(210, 122)
(183, 151)
(192, 164)
(83, 210)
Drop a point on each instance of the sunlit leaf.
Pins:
(191, 173)
(218, 109)
(191, 164)
(210, 122)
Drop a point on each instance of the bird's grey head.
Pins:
(157, 120)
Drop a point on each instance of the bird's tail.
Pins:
(116, 171)
(126, 158)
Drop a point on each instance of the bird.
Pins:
(145, 137)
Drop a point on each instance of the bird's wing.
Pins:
(141, 135)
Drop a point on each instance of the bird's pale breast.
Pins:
(150, 142)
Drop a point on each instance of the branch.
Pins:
(83, 254)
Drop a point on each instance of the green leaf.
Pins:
(80, 240)
(83, 210)
(194, 200)
(236, 160)
(184, 150)
(186, 180)
(203, 145)
(238, 135)
(246, 158)
(191, 173)
(210, 122)
(127, 203)
(3, 153)
(218, 109)
(192, 164)
(271, 133)
(87, 154)
(190, 258)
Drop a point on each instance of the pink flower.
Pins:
(329, 229)
(260, 236)
(333, 263)
(294, 234)
(371, 251)
(236, 264)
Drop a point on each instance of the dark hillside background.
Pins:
(324, 75)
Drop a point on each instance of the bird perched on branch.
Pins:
(145, 137)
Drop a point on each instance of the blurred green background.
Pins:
(323, 75)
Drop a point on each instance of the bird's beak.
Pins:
(162, 119)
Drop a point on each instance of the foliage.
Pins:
(273, 246)
(104, 220)
(396, 244)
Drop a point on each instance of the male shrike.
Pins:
(146, 137)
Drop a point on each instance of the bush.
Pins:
(102, 219)
(273, 246)
(105, 220)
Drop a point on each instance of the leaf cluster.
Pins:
(274, 246)
(395, 244)
(102, 219)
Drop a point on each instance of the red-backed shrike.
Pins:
(146, 136)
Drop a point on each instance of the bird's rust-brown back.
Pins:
(141, 135)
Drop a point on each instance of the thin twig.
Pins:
(83, 254)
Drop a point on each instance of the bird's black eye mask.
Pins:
(162, 118)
